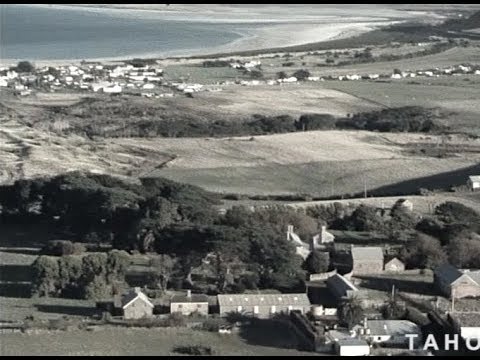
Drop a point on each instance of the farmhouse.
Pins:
(262, 305)
(352, 347)
(367, 260)
(388, 332)
(474, 182)
(457, 284)
(136, 305)
(394, 265)
(188, 304)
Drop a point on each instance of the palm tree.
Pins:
(350, 311)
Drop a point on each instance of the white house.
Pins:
(3, 82)
(148, 86)
(396, 76)
(115, 89)
(352, 347)
(474, 182)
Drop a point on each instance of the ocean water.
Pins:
(43, 33)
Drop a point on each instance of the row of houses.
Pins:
(135, 304)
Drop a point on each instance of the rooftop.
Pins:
(194, 298)
(466, 319)
(367, 253)
(132, 295)
(474, 178)
(392, 327)
(263, 299)
(351, 342)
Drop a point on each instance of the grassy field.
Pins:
(135, 342)
(320, 163)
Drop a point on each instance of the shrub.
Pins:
(213, 324)
(25, 66)
(176, 320)
(301, 74)
(197, 350)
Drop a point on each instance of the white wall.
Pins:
(472, 332)
(354, 350)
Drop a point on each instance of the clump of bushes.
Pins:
(197, 350)
(216, 63)
(62, 247)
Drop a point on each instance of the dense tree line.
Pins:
(245, 249)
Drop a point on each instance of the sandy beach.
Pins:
(280, 25)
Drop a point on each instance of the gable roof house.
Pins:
(394, 265)
(367, 260)
(455, 283)
(135, 305)
(263, 305)
(340, 286)
(189, 303)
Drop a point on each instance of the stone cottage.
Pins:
(263, 305)
(367, 260)
(455, 283)
(189, 304)
(136, 305)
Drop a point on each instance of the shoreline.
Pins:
(255, 40)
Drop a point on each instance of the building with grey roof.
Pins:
(135, 305)
(367, 260)
(340, 286)
(466, 324)
(455, 283)
(262, 305)
(388, 332)
(189, 303)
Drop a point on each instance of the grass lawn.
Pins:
(110, 341)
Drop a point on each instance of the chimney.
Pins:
(137, 290)
(189, 293)
(365, 322)
(324, 229)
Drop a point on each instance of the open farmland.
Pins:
(455, 96)
(320, 163)
(136, 342)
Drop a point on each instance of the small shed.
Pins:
(474, 182)
(352, 347)
(394, 265)
(189, 303)
(136, 305)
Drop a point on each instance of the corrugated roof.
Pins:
(392, 327)
(367, 253)
(194, 298)
(263, 299)
(466, 319)
(448, 273)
